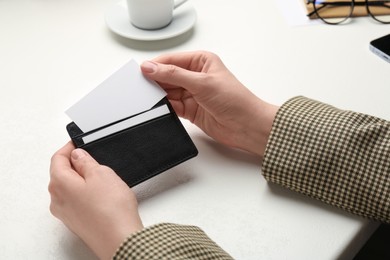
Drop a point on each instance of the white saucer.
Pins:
(117, 20)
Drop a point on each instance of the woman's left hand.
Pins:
(92, 201)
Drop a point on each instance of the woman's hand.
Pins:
(92, 201)
(201, 89)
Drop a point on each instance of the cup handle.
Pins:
(179, 3)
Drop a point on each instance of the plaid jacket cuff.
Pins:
(170, 241)
(337, 156)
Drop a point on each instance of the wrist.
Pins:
(108, 244)
(259, 126)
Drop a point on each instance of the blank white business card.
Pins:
(125, 93)
(133, 121)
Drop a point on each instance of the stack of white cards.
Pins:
(123, 100)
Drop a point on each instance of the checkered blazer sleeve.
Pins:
(339, 157)
(170, 241)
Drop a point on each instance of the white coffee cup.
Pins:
(152, 14)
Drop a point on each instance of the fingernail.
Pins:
(78, 154)
(149, 67)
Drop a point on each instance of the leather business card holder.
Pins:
(142, 150)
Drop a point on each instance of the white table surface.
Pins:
(54, 52)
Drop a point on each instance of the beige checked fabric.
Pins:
(170, 241)
(337, 156)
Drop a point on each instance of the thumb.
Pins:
(82, 162)
(172, 75)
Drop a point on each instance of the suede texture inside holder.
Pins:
(142, 151)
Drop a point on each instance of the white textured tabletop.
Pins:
(54, 52)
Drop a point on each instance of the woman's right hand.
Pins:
(202, 90)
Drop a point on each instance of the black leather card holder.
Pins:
(141, 151)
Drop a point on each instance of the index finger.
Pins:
(193, 61)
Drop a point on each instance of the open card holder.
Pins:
(138, 147)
